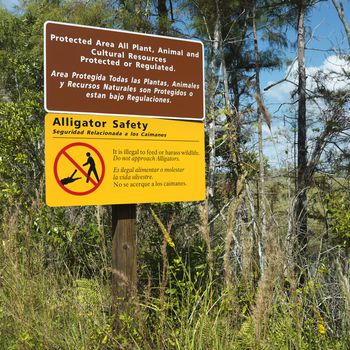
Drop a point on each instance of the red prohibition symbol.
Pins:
(63, 153)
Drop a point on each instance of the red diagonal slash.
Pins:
(79, 168)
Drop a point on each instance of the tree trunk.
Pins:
(208, 230)
(233, 212)
(162, 17)
(261, 182)
(211, 108)
(340, 9)
(300, 217)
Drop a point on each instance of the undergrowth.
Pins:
(47, 305)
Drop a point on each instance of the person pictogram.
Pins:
(92, 169)
(70, 179)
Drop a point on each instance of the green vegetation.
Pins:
(47, 304)
(228, 273)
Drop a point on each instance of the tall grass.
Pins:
(49, 306)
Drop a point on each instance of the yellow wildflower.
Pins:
(321, 328)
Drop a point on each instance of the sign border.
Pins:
(128, 32)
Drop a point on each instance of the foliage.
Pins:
(21, 139)
(42, 307)
(54, 262)
(339, 216)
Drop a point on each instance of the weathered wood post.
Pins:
(124, 262)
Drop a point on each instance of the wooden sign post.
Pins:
(124, 252)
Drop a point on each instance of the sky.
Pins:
(8, 3)
(327, 33)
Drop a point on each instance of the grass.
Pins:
(47, 306)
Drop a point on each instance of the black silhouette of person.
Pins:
(92, 169)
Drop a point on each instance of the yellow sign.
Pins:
(97, 160)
